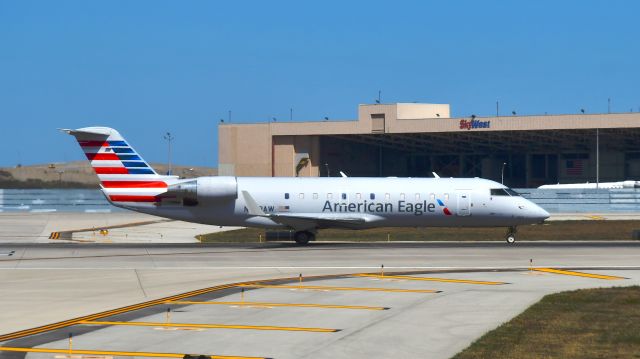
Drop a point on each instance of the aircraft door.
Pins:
(464, 208)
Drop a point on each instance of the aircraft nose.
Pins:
(538, 213)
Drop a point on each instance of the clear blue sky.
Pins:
(147, 67)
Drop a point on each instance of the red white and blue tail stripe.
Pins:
(124, 175)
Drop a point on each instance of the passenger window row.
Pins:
(387, 196)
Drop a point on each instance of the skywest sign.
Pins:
(473, 124)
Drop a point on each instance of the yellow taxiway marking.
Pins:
(596, 218)
(108, 313)
(431, 279)
(125, 354)
(212, 326)
(268, 304)
(577, 274)
(179, 329)
(328, 288)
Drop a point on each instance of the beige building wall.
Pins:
(289, 151)
(283, 156)
(244, 150)
(274, 149)
(307, 147)
(410, 111)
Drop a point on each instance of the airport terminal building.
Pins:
(413, 140)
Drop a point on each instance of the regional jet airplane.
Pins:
(303, 205)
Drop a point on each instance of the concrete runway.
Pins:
(132, 227)
(43, 284)
(124, 227)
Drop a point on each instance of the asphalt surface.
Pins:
(323, 255)
(45, 283)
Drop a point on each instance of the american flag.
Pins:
(574, 167)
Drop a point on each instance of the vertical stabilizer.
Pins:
(125, 177)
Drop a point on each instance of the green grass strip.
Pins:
(587, 323)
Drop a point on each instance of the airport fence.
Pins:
(54, 200)
(584, 200)
(554, 201)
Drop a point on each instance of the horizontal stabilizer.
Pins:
(99, 131)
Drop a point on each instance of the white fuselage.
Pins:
(354, 203)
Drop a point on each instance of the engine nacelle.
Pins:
(203, 189)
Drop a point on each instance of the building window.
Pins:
(387, 196)
(344, 196)
(402, 196)
(372, 195)
(301, 195)
(358, 196)
(377, 122)
(286, 196)
(329, 195)
(315, 196)
(417, 196)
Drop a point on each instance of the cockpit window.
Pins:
(504, 192)
(499, 192)
(512, 192)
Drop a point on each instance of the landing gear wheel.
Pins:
(303, 237)
(511, 235)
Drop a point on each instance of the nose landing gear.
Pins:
(511, 235)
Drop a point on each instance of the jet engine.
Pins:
(202, 189)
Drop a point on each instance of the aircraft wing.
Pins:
(319, 220)
(301, 221)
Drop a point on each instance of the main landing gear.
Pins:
(511, 235)
(303, 237)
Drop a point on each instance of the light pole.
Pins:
(502, 173)
(169, 137)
